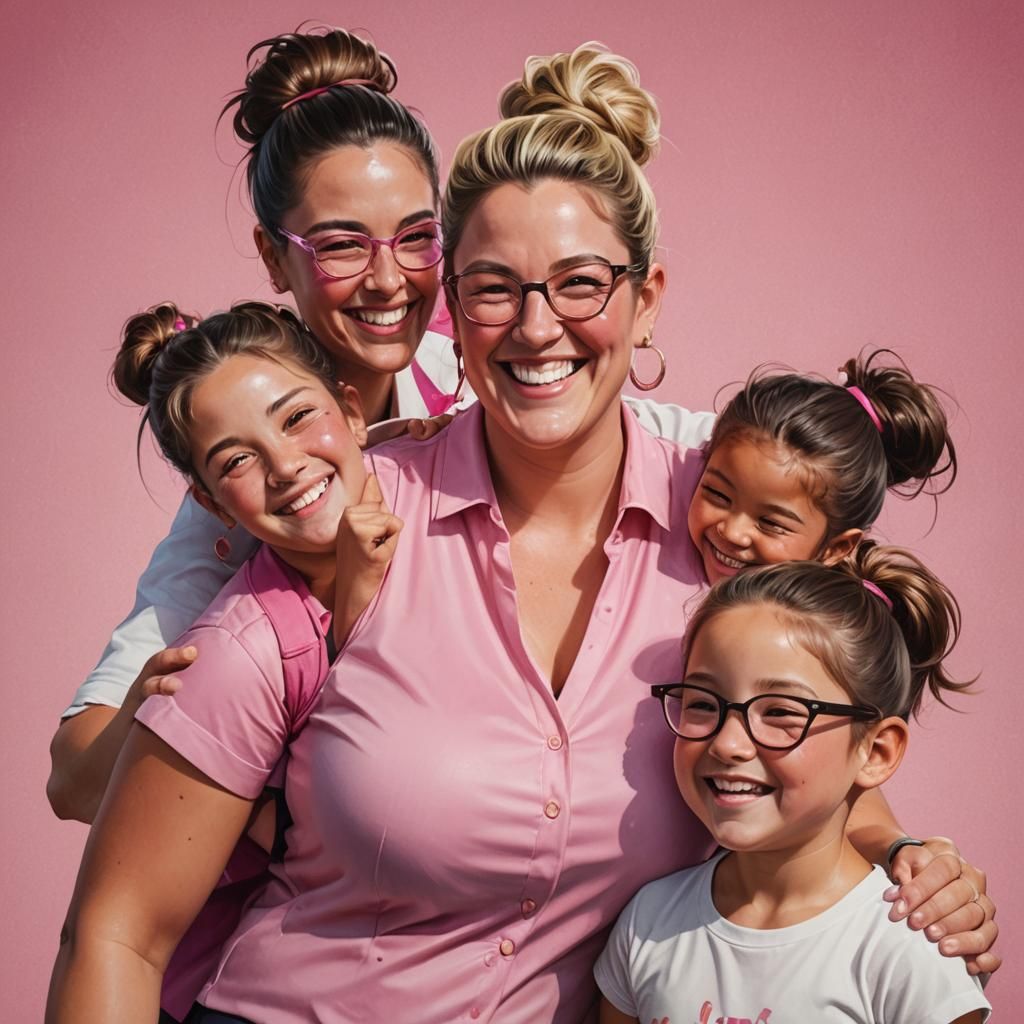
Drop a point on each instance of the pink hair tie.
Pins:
(369, 83)
(877, 591)
(180, 325)
(868, 407)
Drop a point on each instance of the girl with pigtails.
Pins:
(798, 684)
(480, 786)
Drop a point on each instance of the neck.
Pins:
(778, 888)
(375, 390)
(318, 570)
(575, 483)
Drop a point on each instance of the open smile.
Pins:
(540, 374)
(382, 321)
(724, 560)
(736, 792)
(306, 501)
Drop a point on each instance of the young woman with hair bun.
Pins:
(486, 782)
(343, 179)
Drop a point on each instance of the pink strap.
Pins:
(868, 407)
(369, 83)
(877, 591)
(434, 399)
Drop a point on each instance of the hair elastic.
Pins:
(866, 403)
(180, 325)
(877, 591)
(369, 83)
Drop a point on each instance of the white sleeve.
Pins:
(182, 578)
(612, 972)
(672, 422)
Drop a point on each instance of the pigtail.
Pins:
(915, 429)
(924, 610)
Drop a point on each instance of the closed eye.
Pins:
(716, 497)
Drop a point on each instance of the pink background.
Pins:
(834, 175)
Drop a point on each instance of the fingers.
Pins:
(165, 686)
(976, 943)
(371, 491)
(927, 882)
(984, 963)
(170, 659)
(969, 917)
(423, 430)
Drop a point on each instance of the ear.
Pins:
(351, 406)
(885, 744)
(271, 256)
(648, 303)
(840, 547)
(203, 497)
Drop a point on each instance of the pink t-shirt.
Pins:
(463, 841)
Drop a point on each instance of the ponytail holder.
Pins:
(868, 407)
(179, 325)
(877, 591)
(369, 83)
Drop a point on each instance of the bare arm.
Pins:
(84, 748)
(612, 1015)
(161, 839)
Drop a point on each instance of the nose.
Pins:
(732, 743)
(537, 324)
(284, 463)
(384, 275)
(735, 528)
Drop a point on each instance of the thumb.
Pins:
(371, 491)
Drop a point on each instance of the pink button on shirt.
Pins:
(432, 802)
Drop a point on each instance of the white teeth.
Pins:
(737, 786)
(542, 373)
(306, 499)
(380, 317)
(732, 563)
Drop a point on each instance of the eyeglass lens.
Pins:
(773, 720)
(345, 254)
(577, 293)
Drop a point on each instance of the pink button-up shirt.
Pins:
(463, 841)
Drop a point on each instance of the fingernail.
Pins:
(901, 907)
(950, 946)
(189, 652)
(934, 932)
(916, 919)
(891, 893)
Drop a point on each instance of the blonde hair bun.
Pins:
(592, 84)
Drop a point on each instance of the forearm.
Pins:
(103, 980)
(82, 756)
(872, 827)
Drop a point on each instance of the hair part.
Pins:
(283, 143)
(578, 117)
(850, 463)
(884, 658)
(159, 366)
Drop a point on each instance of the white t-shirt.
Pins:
(672, 955)
(184, 574)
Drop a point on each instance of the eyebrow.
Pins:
(778, 510)
(765, 685)
(274, 406)
(578, 260)
(360, 228)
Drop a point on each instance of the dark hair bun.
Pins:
(298, 63)
(142, 340)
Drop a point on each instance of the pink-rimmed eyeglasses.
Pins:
(343, 254)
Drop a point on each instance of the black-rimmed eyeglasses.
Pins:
(577, 293)
(773, 720)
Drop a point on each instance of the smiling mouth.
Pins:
(380, 317)
(729, 563)
(305, 499)
(738, 787)
(538, 374)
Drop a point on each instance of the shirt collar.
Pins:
(465, 477)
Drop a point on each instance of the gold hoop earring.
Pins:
(647, 385)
